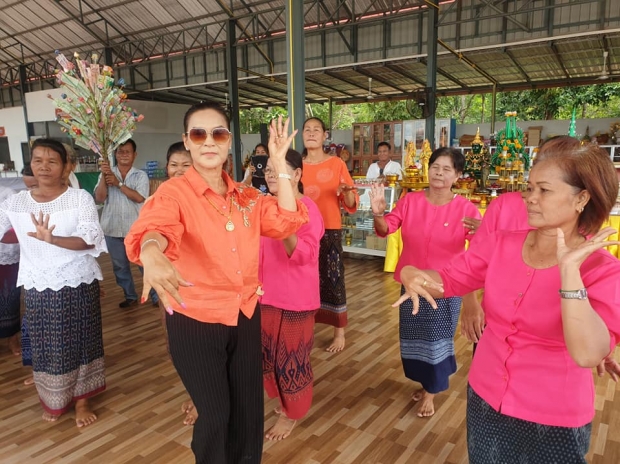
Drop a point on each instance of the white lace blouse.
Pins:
(48, 266)
(9, 252)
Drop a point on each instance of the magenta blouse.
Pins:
(432, 235)
(506, 212)
(292, 282)
(522, 367)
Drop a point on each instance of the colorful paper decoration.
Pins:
(92, 108)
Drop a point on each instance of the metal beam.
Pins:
(506, 15)
(558, 58)
(344, 79)
(295, 66)
(23, 89)
(406, 73)
(233, 91)
(444, 74)
(231, 15)
(431, 69)
(329, 87)
(378, 79)
(517, 65)
(246, 87)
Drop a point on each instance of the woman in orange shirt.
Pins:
(328, 183)
(210, 227)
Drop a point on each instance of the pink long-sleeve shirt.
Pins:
(522, 367)
(506, 212)
(432, 235)
(292, 282)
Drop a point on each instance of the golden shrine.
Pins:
(416, 167)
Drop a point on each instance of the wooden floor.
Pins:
(362, 412)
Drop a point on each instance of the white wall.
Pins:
(40, 107)
(14, 123)
(162, 126)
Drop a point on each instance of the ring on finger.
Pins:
(424, 284)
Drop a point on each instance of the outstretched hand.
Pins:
(43, 231)
(576, 256)
(163, 277)
(417, 283)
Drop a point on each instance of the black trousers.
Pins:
(221, 368)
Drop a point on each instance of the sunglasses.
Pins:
(220, 135)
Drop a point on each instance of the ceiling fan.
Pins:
(370, 95)
(604, 73)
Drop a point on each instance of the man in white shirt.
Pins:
(384, 166)
(122, 189)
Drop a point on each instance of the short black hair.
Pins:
(384, 144)
(27, 171)
(314, 118)
(458, 159)
(265, 147)
(128, 141)
(296, 161)
(53, 145)
(205, 105)
(177, 147)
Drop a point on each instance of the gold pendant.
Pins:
(230, 226)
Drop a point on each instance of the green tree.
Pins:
(589, 97)
(593, 101)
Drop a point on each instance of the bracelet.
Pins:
(581, 294)
(147, 241)
(284, 175)
(378, 215)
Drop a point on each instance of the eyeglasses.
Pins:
(220, 135)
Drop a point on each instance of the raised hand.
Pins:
(43, 231)
(576, 256)
(377, 198)
(279, 142)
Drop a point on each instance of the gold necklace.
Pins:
(230, 226)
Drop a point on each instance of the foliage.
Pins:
(593, 101)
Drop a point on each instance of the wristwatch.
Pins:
(120, 184)
(581, 294)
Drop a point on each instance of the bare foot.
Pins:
(190, 412)
(49, 417)
(14, 345)
(29, 381)
(83, 414)
(282, 428)
(338, 341)
(418, 394)
(278, 409)
(426, 407)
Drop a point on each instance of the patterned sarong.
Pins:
(287, 338)
(333, 309)
(67, 345)
(427, 342)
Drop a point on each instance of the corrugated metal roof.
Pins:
(144, 30)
